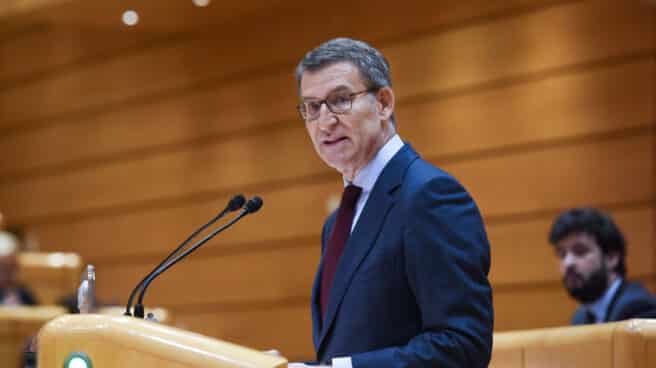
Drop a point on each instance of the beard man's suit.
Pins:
(631, 300)
(411, 287)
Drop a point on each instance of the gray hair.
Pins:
(372, 65)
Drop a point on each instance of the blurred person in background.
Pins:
(592, 253)
(27, 240)
(11, 293)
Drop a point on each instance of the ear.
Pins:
(385, 97)
(612, 260)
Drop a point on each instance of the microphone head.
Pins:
(236, 203)
(254, 204)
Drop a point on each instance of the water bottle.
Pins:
(86, 293)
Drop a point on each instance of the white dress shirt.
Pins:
(367, 176)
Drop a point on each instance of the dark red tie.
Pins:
(337, 240)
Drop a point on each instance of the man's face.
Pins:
(347, 141)
(583, 266)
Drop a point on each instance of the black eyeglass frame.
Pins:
(351, 97)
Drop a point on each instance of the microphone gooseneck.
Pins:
(234, 204)
(252, 206)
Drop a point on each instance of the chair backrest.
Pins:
(50, 275)
(626, 344)
(17, 326)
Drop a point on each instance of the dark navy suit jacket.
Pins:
(631, 300)
(411, 288)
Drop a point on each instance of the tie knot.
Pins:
(350, 196)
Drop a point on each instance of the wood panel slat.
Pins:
(61, 47)
(588, 102)
(156, 16)
(520, 257)
(520, 45)
(592, 101)
(294, 212)
(14, 8)
(534, 178)
(440, 58)
(561, 176)
(226, 166)
(297, 213)
(269, 275)
(286, 328)
(534, 306)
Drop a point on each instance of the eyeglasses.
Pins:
(337, 103)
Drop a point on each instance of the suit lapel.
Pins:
(363, 237)
(611, 307)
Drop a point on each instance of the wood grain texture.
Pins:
(145, 237)
(284, 270)
(592, 101)
(288, 328)
(44, 49)
(185, 62)
(269, 275)
(534, 177)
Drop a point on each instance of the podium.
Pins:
(17, 326)
(94, 340)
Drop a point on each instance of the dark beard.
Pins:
(592, 289)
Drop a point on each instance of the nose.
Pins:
(567, 262)
(327, 118)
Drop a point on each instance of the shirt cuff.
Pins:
(344, 362)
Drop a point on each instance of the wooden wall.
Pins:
(117, 145)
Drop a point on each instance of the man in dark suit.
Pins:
(592, 254)
(403, 275)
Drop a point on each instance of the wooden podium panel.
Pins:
(17, 326)
(117, 342)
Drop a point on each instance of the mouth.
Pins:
(573, 280)
(333, 142)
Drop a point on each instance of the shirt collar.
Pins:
(600, 307)
(367, 176)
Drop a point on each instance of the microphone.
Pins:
(252, 206)
(234, 204)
